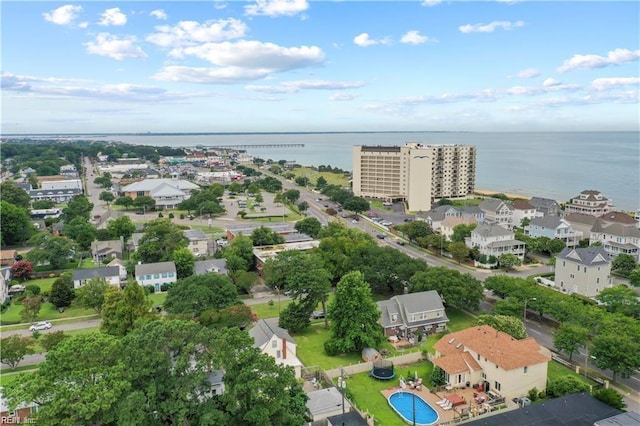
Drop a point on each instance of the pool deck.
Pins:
(470, 407)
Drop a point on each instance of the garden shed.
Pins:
(371, 355)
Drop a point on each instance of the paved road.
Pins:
(86, 323)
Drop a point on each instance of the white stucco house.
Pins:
(585, 271)
(484, 356)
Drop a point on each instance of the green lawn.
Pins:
(9, 376)
(365, 392)
(265, 310)
(555, 370)
(311, 349)
(313, 175)
(47, 312)
(157, 298)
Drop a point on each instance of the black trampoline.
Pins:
(383, 370)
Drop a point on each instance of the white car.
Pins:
(386, 223)
(40, 326)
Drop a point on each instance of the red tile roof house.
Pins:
(503, 364)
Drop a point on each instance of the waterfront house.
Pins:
(110, 273)
(414, 313)
(483, 356)
(585, 271)
(545, 206)
(497, 211)
(156, 274)
(522, 209)
(554, 227)
(581, 222)
(589, 202)
(616, 238)
(495, 240)
(276, 342)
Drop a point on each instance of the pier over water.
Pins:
(266, 145)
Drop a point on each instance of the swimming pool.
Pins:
(403, 404)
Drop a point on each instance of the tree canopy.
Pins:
(161, 238)
(198, 293)
(354, 317)
(458, 290)
(15, 224)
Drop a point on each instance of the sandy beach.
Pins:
(490, 193)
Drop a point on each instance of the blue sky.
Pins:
(299, 65)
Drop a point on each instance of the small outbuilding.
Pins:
(371, 355)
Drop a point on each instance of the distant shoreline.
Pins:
(489, 193)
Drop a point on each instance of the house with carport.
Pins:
(482, 356)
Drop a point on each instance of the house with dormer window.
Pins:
(485, 357)
(276, 342)
(585, 271)
(498, 211)
(616, 238)
(589, 202)
(414, 313)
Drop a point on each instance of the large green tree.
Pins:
(239, 254)
(62, 292)
(624, 263)
(14, 348)
(462, 231)
(15, 224)
(123, 310)
(310, 226)
(53, 250)
(304, 275)
(458, 290)
(570, 337)
(78, 206)
(121, 227)
(354, 317)
(79, 383)
(91, 294)
(198, 293)
(264, 236)
(161, 238)
(13, 194)
(507, 324)
(80, 231)
(185, 261)
(125, 201)
(620, 299)
(356, 205)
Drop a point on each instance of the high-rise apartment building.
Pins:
(414, 172)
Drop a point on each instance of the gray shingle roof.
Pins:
(195, 234)
(102, 272)
(325, 401)
(492, 204)
(587, 256)
(154, 268)
(407, 304)
(549, 222)
(542, 202)
(491, 230)
(205, 266)
(264, 329)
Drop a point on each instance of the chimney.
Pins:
(284, 348)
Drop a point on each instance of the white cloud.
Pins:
(159, 14)
(296, 86)
(491, 27)
(529, 73)
(591, 61)
(240, 61)
(187, 33)
(64, 15)
(612, 82)
(343, 96)
(202, 75)
(275, 8)
(550, 82)
(524, 91)
(414, 37)
(255, 55)
(113, 17)
(219, 5)
(363, 40)
(430, 3)
(115, 47)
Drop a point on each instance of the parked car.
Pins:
(317, 314)
(386, 223)
(381, 236)
(400, 242)
(45, 325)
